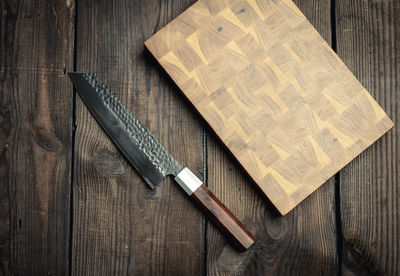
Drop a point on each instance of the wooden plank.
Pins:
(274, 92)
(36, 48)
(301, 243)
(369, 43)
(120, 225)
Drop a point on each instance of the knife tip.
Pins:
(70, 74)
(75, 76)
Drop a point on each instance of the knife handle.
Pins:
(230, 226)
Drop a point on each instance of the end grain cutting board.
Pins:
(273, 91)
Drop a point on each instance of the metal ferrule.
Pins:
(188, 181)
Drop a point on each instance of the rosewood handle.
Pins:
(230, 226)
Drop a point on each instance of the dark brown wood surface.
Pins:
(35, 136)
(118, 224)
(369, 42)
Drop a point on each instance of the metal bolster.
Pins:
(188, 181)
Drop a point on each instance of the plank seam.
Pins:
(71, 203)
(204, 218)
(337, 211)
(338, 220)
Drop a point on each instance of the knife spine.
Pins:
(146, 142)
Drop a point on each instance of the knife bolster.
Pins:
(233, 229)
(188, 181)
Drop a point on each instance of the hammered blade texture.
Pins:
(146, 142)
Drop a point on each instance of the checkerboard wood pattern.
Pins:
(273, 91)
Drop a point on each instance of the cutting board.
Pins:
(273, 91)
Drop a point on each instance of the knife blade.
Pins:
(150, 159)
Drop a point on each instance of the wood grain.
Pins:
(301, 243)
(225, 221)
(369, 43)
(36, 48)
(120, 225)
(273, 90)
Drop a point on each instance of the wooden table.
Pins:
(70, 203)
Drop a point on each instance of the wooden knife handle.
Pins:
(233, 229)
(230, 226)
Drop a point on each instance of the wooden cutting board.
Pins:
(273, 90)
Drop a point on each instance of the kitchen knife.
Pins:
(150, 159)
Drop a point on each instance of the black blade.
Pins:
(141, 149)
